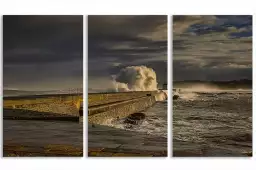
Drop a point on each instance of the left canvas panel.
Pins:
(43, 85)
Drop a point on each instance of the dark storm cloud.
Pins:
(42, 38)
(212, 47)
(115, 42)
(39, 48)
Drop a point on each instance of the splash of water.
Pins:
(138, 78)
(161, 95)
(135, 78)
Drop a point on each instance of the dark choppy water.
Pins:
(155, 122)
(213, 123)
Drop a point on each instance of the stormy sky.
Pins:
(115, 42)
(212, 48)
(42, 52)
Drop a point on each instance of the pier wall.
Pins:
(61, 104)
(103, 107)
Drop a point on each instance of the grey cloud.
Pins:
(42, 52)
(205, 47)
(118, 41)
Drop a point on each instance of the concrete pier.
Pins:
(103, 106)
(43, 106)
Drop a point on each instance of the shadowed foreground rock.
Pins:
(175, 97)
(108, 152)
(16, 150)
(135, 118)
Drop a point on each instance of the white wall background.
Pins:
(143, 7)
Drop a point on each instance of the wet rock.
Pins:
(80, 112)
(135, 118)
(175, 97)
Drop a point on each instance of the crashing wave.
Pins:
(138, 78)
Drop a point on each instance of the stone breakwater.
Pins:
(105, 106)
(95, 99)
(56, 108)
(42, 106)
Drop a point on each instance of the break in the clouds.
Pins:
(42, 52)
(212, 47)
(115, 42)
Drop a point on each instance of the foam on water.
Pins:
(219, 122)
(155, 122)
(194, 92)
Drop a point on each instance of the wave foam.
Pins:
(138, 78)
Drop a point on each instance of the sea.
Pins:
(212, 123)
(155, 122)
